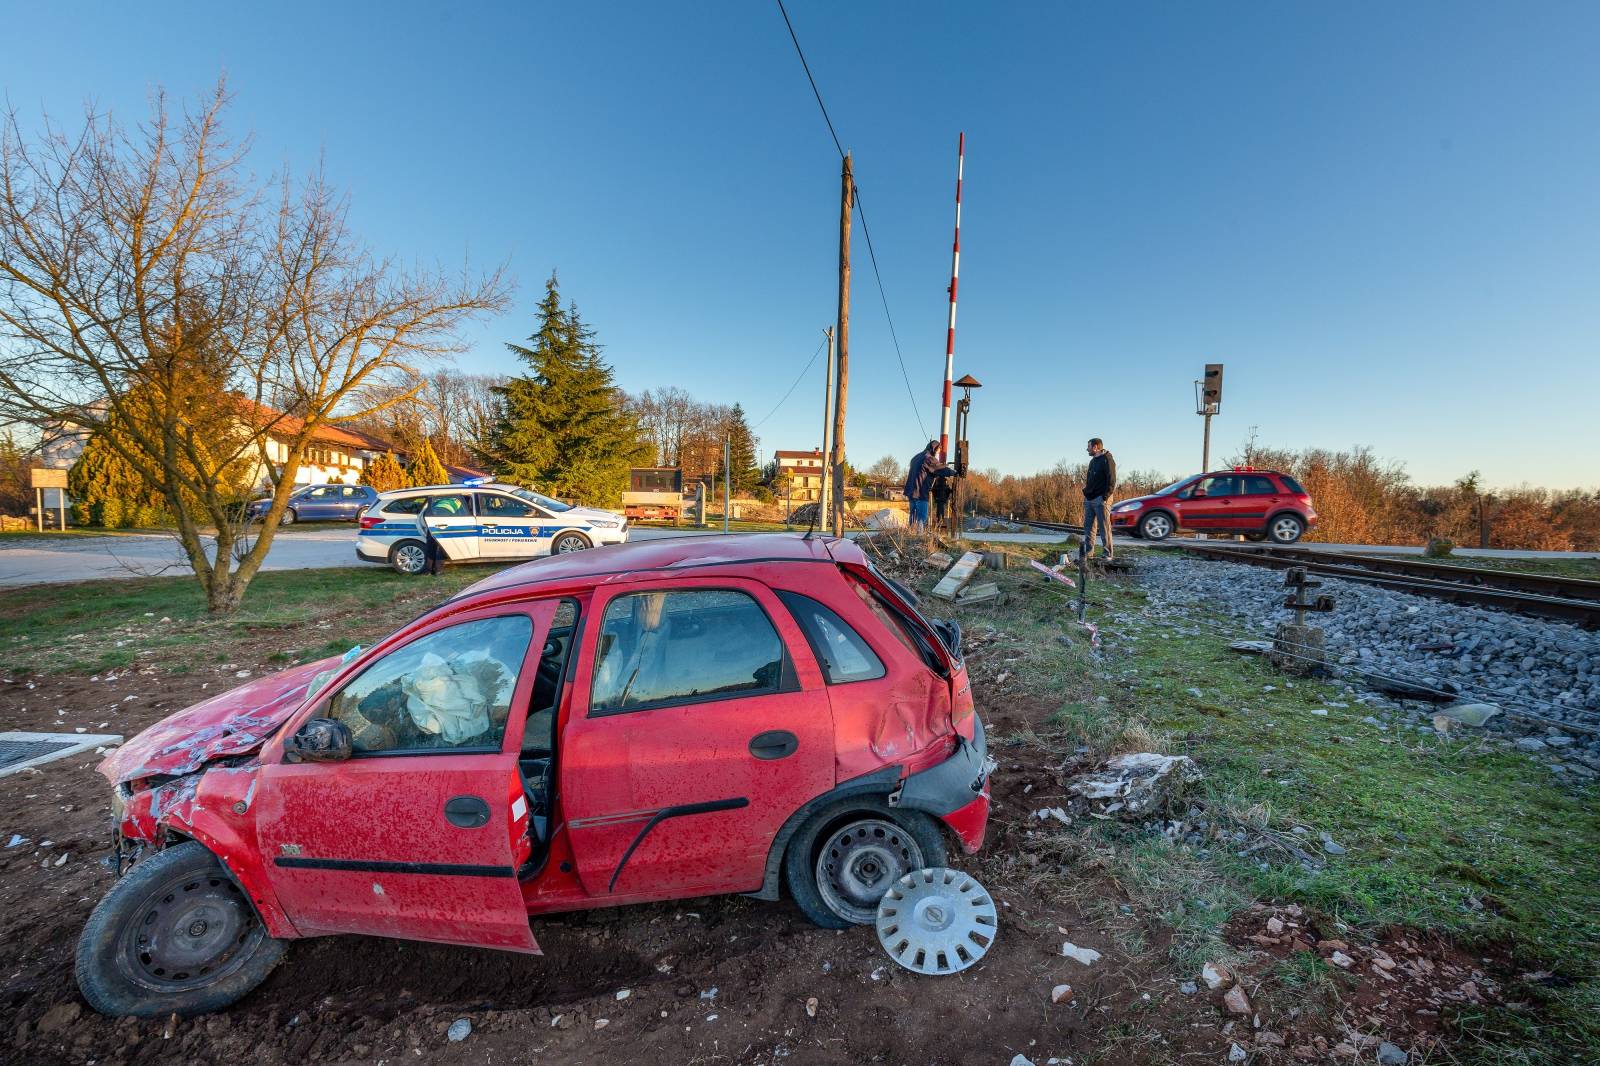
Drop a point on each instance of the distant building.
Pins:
(804, 470)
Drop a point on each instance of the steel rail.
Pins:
(1570, 588)
(1584, 612)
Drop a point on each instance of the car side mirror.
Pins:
(319, 740)
(1196, 493)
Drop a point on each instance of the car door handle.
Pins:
(774, 744)
(467, 812)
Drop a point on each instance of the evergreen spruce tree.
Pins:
(384, 473)
(109, 486)
(742, 450)
(425, 468)
(563, 427)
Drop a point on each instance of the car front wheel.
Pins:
(1156, 525)
(568, 543)
(174, 936)
(840, 865)
(409, 557)
(1286, 529)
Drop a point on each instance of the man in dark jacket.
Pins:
(919, 480)
(1098, 485)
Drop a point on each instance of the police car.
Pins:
(479, 521)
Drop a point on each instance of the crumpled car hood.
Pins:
(231, 723)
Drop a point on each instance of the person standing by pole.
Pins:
(919, 479)
(1098, 485)
(944, 483)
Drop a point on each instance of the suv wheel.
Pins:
(175, 935)
(568, 543)
(409, 557)
(1286, 529)
(842, 862)
(1157, 525)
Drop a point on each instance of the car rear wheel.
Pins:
(288, 518)
(174, 936)
(840, 865)
(409, 557)
(1286, 529)
(1157, 525)
(568, 543)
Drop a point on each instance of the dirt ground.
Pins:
(725, 980)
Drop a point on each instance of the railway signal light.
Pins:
(1211, 390)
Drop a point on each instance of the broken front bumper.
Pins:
(956, 791)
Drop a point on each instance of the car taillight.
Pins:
(368, 521)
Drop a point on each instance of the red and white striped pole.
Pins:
(950, 332)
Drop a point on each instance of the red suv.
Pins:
(747, 714)
(1261, 504)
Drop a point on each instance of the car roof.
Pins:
(394, 494)
(670, 553)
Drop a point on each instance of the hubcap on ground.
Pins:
(411, 558)
(568, 545)
(191, 932)
(936, 921)
(858, 864)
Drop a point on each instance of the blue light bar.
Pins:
(477, 481)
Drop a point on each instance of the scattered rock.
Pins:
(1188, 988)
(811, 1006)
(1341, 960)
(1390, 1055)
(1061, 994)
(459, 1030)
(1087, 956)
(1020, 1060)
(59, 1017)
(1236, 1053)
(1215, 975)
(601, 1023)
(1530, 744)
(1236, 1001)
(1475, 715)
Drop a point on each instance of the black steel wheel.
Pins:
(174, 936)
(842, 862)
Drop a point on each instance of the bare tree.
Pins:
(152, 291)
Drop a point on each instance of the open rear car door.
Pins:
(420, 832)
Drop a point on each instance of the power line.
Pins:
(796, 385)
(872, 252)
(814, 90)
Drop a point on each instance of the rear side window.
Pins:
(1291, 484)
(406, 505)
(664, 648)
(1254, 485)
(841, 652)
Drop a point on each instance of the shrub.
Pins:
(1439, 547)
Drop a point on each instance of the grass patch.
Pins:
(100, 625)
(1457, 836)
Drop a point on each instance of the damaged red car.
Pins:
(760, 714)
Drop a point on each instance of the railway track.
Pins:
(1567, 599)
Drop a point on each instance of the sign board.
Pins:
(48, 479)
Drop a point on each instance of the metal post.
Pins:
(836, 458)
(38, 507)
(824, 515)
(1205, 449)
(727, 481)
(950, 329)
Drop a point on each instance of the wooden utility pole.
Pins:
(842, 343)
(824, 508)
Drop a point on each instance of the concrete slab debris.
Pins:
(956, 578)
(20, 750)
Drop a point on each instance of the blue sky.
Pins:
(1384, 219)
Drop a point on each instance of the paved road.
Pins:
(45, 559)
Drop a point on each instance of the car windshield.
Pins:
(543, 501)
(1174, 487)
